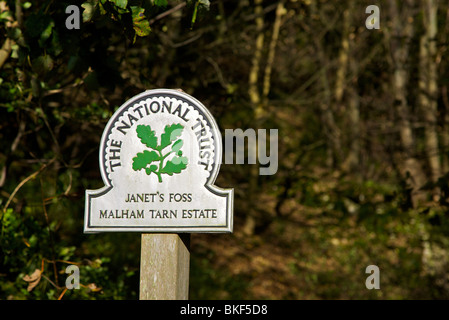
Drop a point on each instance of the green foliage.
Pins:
(39, 251)
(143, 160)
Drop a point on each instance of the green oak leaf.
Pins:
(175, 165)
(152, 168)
(177, 145)
(143, 159)
(147, 136)
(171, 133)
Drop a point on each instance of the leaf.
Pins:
(147, 136)
(46, 34)
(120, 3)
(93, 287)
(171, 133)
(33, 279)
(175, 165)
(177, 145)
(89, 10)
(152, 168)
(141, 24)
(142, 28)
(205, 4)
(143, 159)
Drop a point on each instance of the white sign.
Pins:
(160, 154)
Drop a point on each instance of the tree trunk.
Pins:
(331, 130)
(256, 103)
(351, 105)
(399, 41)
(428, 89)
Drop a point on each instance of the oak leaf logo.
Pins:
(153, 160)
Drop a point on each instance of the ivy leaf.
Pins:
(143, 159)
(171, 133)
(147, 136)
(175, 165)
(177, 145)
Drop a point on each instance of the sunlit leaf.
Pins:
(120, 3)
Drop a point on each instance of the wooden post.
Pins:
(164, 266)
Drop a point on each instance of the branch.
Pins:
(20, 185)
(280, 11)
(5, 51)
(253, 91)
(168, 12)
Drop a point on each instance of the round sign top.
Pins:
(159, 136)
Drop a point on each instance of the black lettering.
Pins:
(125, 126)
(183, 117)
(158, 107)
(165, 106)
(113, 165)
(140, 214)
(132, 119)
(138, 111)
(116, 144)
(178, 111)
(197, 124)
(114, 156)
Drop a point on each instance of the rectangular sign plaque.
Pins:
(160, 154)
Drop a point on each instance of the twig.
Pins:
(62, 294)
(168, 12)
(50, 234)
(20, 185)
(222, 81)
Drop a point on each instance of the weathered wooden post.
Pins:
(160, 154)
(164, 266)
